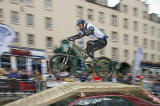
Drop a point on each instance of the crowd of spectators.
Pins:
(148, 82)
(21, 74)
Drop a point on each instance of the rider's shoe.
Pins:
(89, 55)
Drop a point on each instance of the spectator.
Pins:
(50, 77)
(30, 74)
(2, 73)
(22, 75)
(114, 78)
(12, 74)
(147, 84)
(95, 78)
(37, 75)
(156, 88)
(127, 78)
(83, 77)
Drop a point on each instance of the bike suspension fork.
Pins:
(65, 60)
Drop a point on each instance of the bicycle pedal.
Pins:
(89, 65)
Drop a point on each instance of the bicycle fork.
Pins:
(65, 60)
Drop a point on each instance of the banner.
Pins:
(6, 36)
(137, 62)
(17, 86)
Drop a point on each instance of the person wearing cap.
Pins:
(99, 39)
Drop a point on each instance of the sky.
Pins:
(154, 5)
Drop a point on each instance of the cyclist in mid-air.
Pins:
(99, 38)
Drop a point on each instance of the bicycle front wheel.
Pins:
(61, 66)
(103, 67)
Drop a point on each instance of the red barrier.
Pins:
(17, 85)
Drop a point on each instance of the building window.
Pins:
(135, 41)
(135, 26)
(1, 13)
(152, 44)
(159, 58)
(48, 22)
(29, 19)
(125, 23)
(17, 39)
(49, 42)
(5, 61)
(114, 53)
(145, 28)
(90, 14)
(21, 62)
(145, 57)
(14, 1)
(30, 39)
(101, 17)
(145, 14)
(14, 17)
(145, 43)
(158, 45)
(126, 54)
(29, 2)
(152, 30)
(135, 12)
(114, 37)
(125, 39)
(152, 57)
(80, 11)
(125, 8)
(48, 4)
(114, 20)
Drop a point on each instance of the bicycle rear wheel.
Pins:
(103, 67)
(61, 66)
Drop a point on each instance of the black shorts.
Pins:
(94, 45)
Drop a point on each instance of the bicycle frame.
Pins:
(82, 54)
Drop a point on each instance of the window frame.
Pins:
(114, 36)
(115, 53)
(48, 6)
(1, 13)
(125, 23)
(29, 3)
(29, 19)
(30, 40)
(126, 41)
(49, 42)
(101, 17)
(14, 17)
(48, 23)
(90, 14)
(114, 20)
(80, 11)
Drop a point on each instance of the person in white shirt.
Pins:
(99, 39)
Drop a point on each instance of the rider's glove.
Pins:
(70, 39)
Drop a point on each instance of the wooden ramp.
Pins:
(60, 92)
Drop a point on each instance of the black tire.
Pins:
(57, 67)
(103, 67)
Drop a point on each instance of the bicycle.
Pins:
(61, 65)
